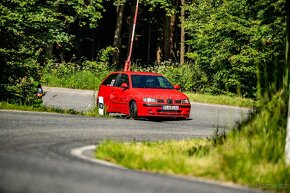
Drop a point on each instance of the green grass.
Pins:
(78, 80)
(42, 108)
(222, 99)
(252, 154)
(88, 81)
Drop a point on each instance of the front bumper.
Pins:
(156, 110)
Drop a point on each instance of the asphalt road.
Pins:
(35, 151)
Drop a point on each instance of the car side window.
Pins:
(110, 80)
(123, 78)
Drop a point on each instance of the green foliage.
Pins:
(28, 29)
(237, 41)
(256, 150)
(85, 75)
(166, 5)
(19, 82)
(189, 76)
(222, 99)
(269, 124)
(41, 108)
(165, 157)
(106, 54)
(252, 155)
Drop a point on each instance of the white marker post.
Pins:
(101, 105)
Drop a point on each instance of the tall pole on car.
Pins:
(127, 66)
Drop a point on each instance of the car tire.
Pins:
(133, 110)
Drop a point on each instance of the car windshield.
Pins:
(150, 81)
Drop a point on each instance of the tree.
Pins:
(120, 5)
(27, 27)
(168, 18)
(232, 42)
(182, 33)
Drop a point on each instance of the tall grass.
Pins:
(79, 75)
(222, 99)
(252, 154)
(75, 79)
(88, 75)
(42, 108)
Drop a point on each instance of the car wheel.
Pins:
(133, 110)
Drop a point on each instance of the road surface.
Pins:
(36, 157)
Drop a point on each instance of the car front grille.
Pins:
(160, 100)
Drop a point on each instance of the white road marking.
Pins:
(79, 152)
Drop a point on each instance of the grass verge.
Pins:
(42, 108)
(222, 99)
(89, 81)
(78, 80)
(252, 154)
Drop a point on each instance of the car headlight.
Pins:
(149, 100)
(186, 101)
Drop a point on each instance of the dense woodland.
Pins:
(214, 46)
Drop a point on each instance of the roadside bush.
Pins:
(86, 75)
(188, 76)
(19, 82)
(254, 153)
(80, 75)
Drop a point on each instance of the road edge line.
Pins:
(79, 152)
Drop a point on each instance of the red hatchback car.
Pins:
(141, 94)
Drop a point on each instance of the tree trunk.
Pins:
(172, 29)
(166, 37)
(50, 46)
(117, 34)
(182, 33)
(149, 38)
(130, 21)
(93, 44)
(49, 51)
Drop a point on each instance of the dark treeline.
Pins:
(231, 47)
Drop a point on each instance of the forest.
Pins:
(227, 47)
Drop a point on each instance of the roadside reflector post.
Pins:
(101, 105)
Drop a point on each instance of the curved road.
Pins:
(35, 151)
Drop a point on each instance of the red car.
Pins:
(141, 94)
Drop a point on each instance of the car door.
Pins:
(104, 98)
(119, 95)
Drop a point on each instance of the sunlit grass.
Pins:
(89, 81)
(42, 108)
(222, 99)
(78, 80)
(252, 154)
(162, 156)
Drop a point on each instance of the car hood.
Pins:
(159, 93)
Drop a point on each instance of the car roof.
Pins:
(137, 73)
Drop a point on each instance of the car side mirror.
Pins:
(177, 87)
(124, 85)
